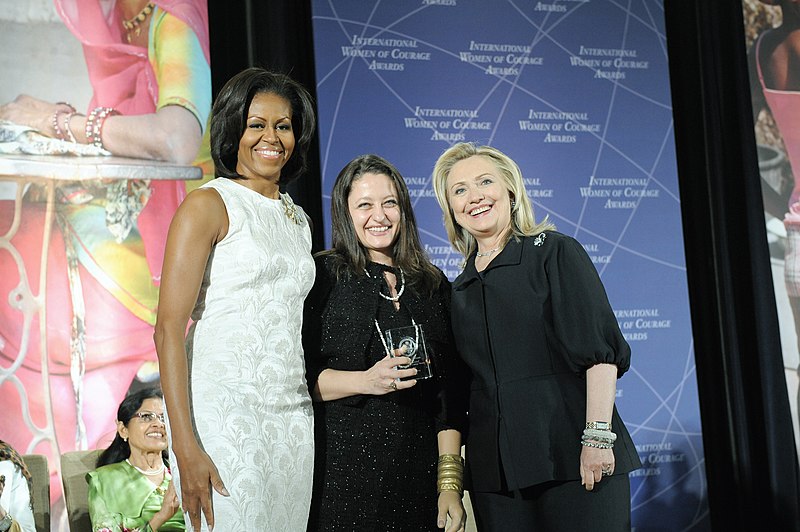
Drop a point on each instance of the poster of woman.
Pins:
(107, 79)
(772, 35)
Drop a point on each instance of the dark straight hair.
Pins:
(229, 119)
(352, 256)
(120, 449)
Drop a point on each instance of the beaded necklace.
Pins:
(386, 346)
(396, 298)
(134, 24)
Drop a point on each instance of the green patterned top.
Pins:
(122, 500)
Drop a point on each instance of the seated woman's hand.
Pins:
(33, 112)
(197, 472)
(171, 504)
(168, 508)
(384, 376)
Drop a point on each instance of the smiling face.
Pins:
(268, 140)
(479, 198)
(375, 213)
(146, 436)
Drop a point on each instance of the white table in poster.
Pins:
(52, 172)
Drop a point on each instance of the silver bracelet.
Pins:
(597, 445)
(600, 434)
(5, 522)
(597, 440)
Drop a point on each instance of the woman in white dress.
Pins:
(238, 263)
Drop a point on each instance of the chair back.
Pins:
(74, 466)
(40, 497)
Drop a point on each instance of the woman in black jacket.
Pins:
(546, 448)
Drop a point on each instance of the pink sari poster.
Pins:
(81, 259)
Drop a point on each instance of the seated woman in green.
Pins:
(131, 489)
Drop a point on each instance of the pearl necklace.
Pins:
(399, 292)
(485, 253)
(147, 473)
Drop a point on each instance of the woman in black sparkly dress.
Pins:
(380, 440)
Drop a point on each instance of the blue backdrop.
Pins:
(577, 92)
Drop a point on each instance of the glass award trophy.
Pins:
(411, 340)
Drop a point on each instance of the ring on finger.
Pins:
(393, 386)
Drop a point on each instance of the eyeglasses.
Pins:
(149, 417)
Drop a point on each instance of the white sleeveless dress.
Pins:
(249, 399)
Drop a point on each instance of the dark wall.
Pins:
(751, 460)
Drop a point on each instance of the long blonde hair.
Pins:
(523, 222)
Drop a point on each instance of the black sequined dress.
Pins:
(376, 455)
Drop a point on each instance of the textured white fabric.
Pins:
(16, 499)
(250, 401)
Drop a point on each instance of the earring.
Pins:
(125, 439)
(513, 203)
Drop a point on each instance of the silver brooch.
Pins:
(290, 209)
(539, 240)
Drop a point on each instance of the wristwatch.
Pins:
(598, 425)
(5, 522)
